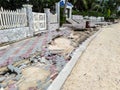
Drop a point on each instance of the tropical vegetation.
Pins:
(106, 8)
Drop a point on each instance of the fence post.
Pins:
(29, 18)
(47, 11)
(70, 13)
(58, 12)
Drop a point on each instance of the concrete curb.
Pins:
(4, 47)
(61, 78)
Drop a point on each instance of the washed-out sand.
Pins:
(99, 66)
(31, 76)
(62, 44)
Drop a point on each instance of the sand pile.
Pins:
(62, 44)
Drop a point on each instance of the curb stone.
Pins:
(62, 76)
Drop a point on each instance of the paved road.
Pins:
(99, 66)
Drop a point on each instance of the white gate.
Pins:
(39, 20)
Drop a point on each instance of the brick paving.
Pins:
(23, 49)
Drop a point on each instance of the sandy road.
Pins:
(99, 66)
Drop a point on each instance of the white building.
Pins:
(69, 8)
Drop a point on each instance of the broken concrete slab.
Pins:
(22, 66)
(17, 78)
(60, 79)
(43, 60)
(2, 79)
(14, 69)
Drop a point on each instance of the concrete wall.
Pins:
(14, 34)
(78, 17)
(54, 26)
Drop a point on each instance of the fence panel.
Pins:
(39, 20)
(53, 18)
(12, 19)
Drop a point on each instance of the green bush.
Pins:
(118, 14)
(87, 13)
(110, 18)
(75, 12)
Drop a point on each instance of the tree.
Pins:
(38, 5)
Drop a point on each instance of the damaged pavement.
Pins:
(40, 66)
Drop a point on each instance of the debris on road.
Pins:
(38, 70)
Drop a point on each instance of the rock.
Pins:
(50, 61)
(4, 85)
(31, 60)
(22, 66)
(47, 54)
(17, 78)
(11, 68)
(14, 69)
(43, 60)
(17, 70)
(2, 79)
(39, 59)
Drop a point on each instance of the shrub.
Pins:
(87, 13)
(118, 13)
(75, 12)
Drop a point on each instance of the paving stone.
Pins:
(17, 78)
(2, 79)
(14, 69)
(43, 60)
(22, 66)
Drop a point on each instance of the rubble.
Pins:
(2, 79)
(22, 66)
(14, 69)
(42, 68)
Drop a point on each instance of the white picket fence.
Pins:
(39, 20)
(53, 18)
(12, 19)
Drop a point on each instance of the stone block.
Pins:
(2, 79)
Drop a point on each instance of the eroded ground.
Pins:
(38, 71)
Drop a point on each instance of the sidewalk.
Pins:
(99, 66)
(25, 48)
